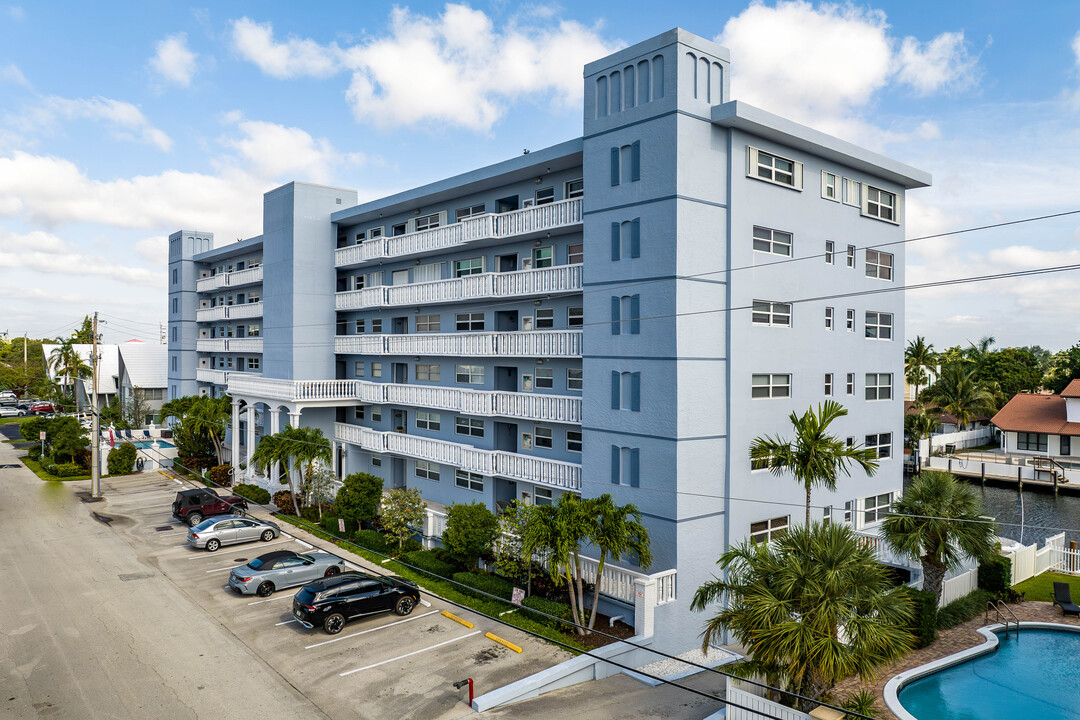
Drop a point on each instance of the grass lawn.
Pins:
(1041, 587)
(36, 467)
(9, 420)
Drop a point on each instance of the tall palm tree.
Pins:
(210, 417)
(959, 393)
(814, 456)
(298, 450)
(919, 355)
(274, 449)
(812, 608)
(617, 530)
(66, 362)
(558, 531)
(937, 521)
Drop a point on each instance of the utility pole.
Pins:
(161, 332)
(95, 425)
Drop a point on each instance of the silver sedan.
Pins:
(283, 569)
(229, 530)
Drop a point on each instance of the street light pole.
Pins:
(95, 424)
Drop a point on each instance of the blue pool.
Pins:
(144, 444)
(1033, 673)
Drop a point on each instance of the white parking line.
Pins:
(414, 652)
(279, 597)
(369, 630)
(220, 569)
(285, 623)
(424, 602)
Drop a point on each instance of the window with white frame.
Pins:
(775, 314)
(376, 369)
(849, 321)
(879, 325)
(253, 330)
(428, 323)
(358, 412)
(398, 229)
(1032, 441)
(543, 257)
(544, 378)
(775, 169)
(852, 192)
(468, 212)
(376, 325)
(876, 507)
(770, 385)
(358, 369)
(767, 530)
(428, 372)
(851, 383)
(468, 480)
(575, 317)
(545, 196)
(428, 420)
(830, 186)
(426, 470)
(828, 384)
(573, 188)
(469, 374)
(376, 413)
(573, 441)
(545, 318)
(574, 380)
(360, 327)
(879, 386)
(771, 241)
(880, 204)
(253, 363)
(470, 321)
(427, 222)
(828, 318)
(879, 265)
(830, 251)
(575, 253)
(375, 232)
(470, 266)
(471, 427)
(851, 256)
(881, 443)
(543, 495)
(542, 437)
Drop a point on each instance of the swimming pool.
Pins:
(1032, 673)
(145, 444)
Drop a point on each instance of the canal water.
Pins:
(1044, 514)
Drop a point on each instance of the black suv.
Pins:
(333, 601)
(193, 505)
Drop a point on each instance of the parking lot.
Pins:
(377, 667)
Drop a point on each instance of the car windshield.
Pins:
(256, 564)
(305, 596)
(206, 524)
(305, 558)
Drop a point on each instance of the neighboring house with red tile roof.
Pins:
(946, 423)
(1042, 424)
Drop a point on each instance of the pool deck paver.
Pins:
(951, 641)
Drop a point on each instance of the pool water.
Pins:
(145, 444)
(1033, 673)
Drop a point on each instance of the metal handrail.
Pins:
(997, 606)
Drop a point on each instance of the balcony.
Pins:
(543, 218)
(522, 283)
(554, 473)
(536, 343)
(229, 345)
(221, 377)
(230, 312)
(343, 391)
(233, 279)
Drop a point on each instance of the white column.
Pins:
(250, 439)
(275, 469)
(234, 448)
(334, 457)
(644, 606)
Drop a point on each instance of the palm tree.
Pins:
(274, 449)
(958, 393)
(937, 521)
(558, 531)
(66, 361)
(919, 356)
(979, 352)
(210, 417)
(297, 449)
(814, 457)
(617, 531)
(811, 607)
(919, 426)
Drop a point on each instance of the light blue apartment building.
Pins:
(620, 313)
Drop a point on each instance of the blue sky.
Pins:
(120, 123)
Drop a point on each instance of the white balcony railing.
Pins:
(229, 345)
(483, 227)
(555, 473)
(522, 283)
(230, 312)
(233, 279)
(223, 377)
(537, 343)
(294, 390)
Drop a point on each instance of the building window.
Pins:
(360, 327)
(1064, 448)
(775, 314)
(626, 163)
(767, 530)
(175, 276)
(543, 257)
(772, 241)
(828, 385)
(879, 325)
(879, 265)
(376, 461)
(575, 253)
(626, 239)
(471, 211)
(849, 321)
(470, 266)
(469, 374)
(767, 385)
(625, 463)
(545, 196)
(573, 379)
(468, 480)
(470, 321)
(172, 363)
(543, 495)
(359, 238)
(545, 318)
(852, 192)
(851, 256)
(376, 369)
(427, 222)
(626, 314)
(830, 186)
(428, 323)
(253, 363)
(573, 441)
(575, 317)
(876, 507)
(175, 305)
(544, 378)
(851, 383)
(830, 251)
(828, 318)
(358, 412)
(626, 391)
(574, 188)
(542, 437)
(880, 204)
(376, 413)
(428, 421)
(398, 229)
(375, 232)
(426, 470)
(882, 443)
(879, 386)
(1032, 441)
(469, 426)
(428, 372)
(376, 325)
(775, 169)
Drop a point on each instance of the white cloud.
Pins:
(173, 61)
(47, 253)
(12, 74)
(15, 12)
(272, 150)
(155, 250)
(292, 58)
(125, 121)
(941, 64)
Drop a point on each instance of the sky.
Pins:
(123, 122)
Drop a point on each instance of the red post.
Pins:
(471, 689)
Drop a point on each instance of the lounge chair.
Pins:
(1063, 597)
(146, 433)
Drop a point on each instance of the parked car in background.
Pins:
(11, 411)
(8, 398)
(25, 403)
(193, 506)
(333, 601)
(283, 569)
(231, 530)
(42, 407)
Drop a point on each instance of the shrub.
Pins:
(61, 469)
(34, 452)
(424, 560)
(551, 607)
(372, 540)
(995, 574)
(197, 463)
(220, 475)
(359, 497)
(491, 584)
(283, 499)
(83, 458)
(923, 616)
(963, 609)
(411, 545)
(443, 555)
(309, 513)
(329, 523)
(121, 459)
(471, 530)
(254, 493)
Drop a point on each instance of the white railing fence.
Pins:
(755, 705)
(536, 343)
(959, 440)
(1029, 560)
(957, 587)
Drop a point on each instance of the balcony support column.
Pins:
(234, 446)
(275, 428)
(250, 439)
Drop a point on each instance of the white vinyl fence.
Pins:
(754, 706)
(1029, 560)
(959, 440)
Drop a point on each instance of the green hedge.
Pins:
(372, 539)
(425, 560)
(551, 607)
(963, 609)
(491, 584)
(121, 459)
(995, 574)
(924, 621)
(62, 470)
(254, 493)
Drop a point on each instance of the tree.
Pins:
(958, 393)
(318, 488)
(67, 435)
(403, 513)
(112, 414)
(510, 555)
(919, 426)
(1015, 370)
(210, 417)
(85, 334)
(67, 363)
(559, 530)
(297, 449)
(198, 424)
(937, 521)
(618, 531)
(136, 408)
(121, 459)
(919, 359)
(979, 352)
(813, 457)
(358, 498)
(471, 531)
(1064, 367)
(811, 608)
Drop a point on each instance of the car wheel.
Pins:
(333, 623)
(194, 519)
(332, 570)
(212, 545)
(404, 605)
(265, 590)
(267, 535)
